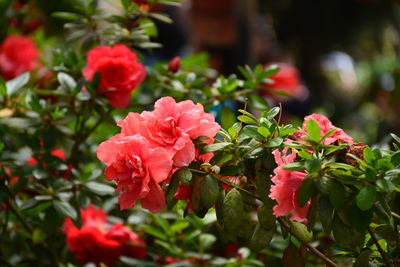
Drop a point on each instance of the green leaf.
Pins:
(295, 166)
(363, 258)
(264, 131)
(216, 147)
(65, 209)
(274, 142)
(154, 232)
(304, 154)
(228, 117)
(369, 156)
(263, 183)
(246, 119)
(38, 236)
(301, 232)
(313, 165)
(251, 131)
(326, 213)
(66, 81)
(173, 186)
(345, 235)
(313, 130)
(386, 232)
(257, 102)
(136, 262)
(248, 114)
(99, 188)
(17, 83)
(337, 194)
(206, 240)
(261, 238)
(184, 175)
(266, 218)
(161, 17)
(219, 207)
(395, 159)
(366, 197)
(209, 191)
(395, 137)
(233, 210)
(66, 15)
(305, 191)
(328, 134)
(270, 114)
(179, 226)
(39, 173)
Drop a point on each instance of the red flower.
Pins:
(119, 70)
(137, 169)
(96, 242)
(286, 80)
(18, 54)
(172, 126)
(286, 184)
(174, 64)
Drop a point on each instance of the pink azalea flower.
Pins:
(325, 126)
(137, 168)
(172, 126)
(284, 190)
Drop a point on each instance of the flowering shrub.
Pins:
(244, 191)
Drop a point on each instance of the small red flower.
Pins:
(120, 72)
(97, 242)
(18, 54)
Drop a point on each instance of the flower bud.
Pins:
(174, 64)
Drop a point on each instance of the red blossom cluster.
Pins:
(120, 72)
(150, 147)
(287, 183)
(98, 242)
(18, 54)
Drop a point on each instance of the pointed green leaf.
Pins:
(313, 130)
(366, 197)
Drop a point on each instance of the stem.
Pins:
(19, 217)
(378, 246)
(397, 216)
(318, 253)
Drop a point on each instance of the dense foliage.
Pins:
(238, 190)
